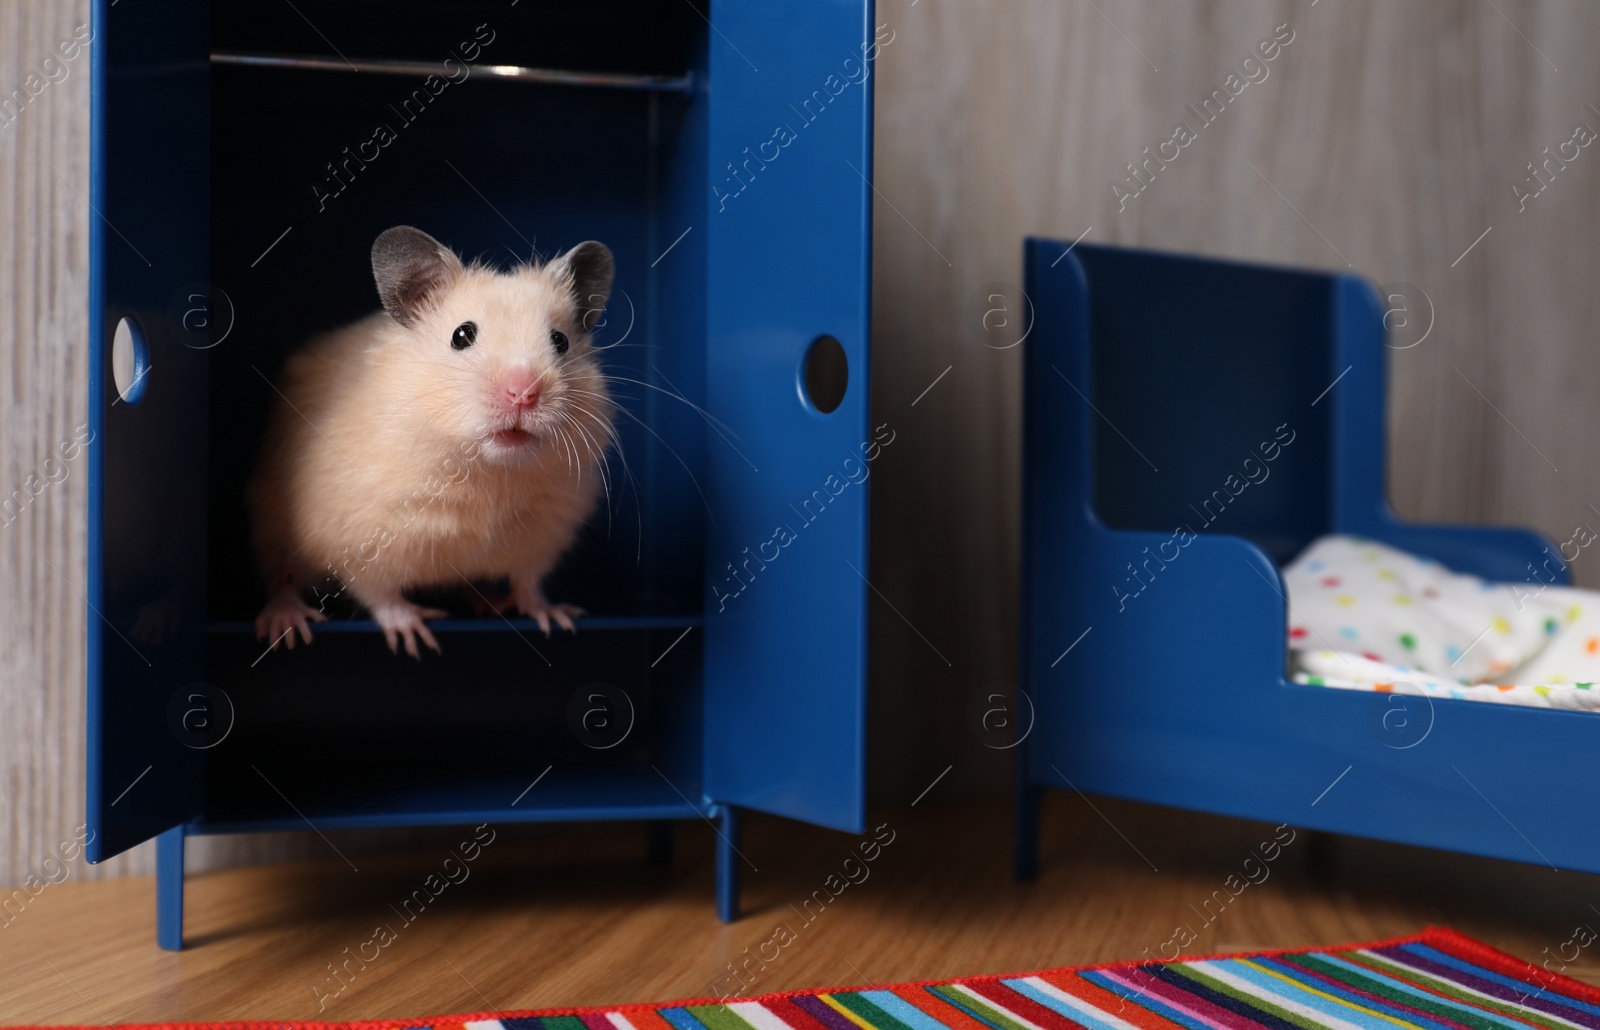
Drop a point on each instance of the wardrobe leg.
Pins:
(1026, 859)
(169, 889)
(660, 831)
(728, 860)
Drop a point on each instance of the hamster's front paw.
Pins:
(533, 604)
(284, 614)
(401, 622)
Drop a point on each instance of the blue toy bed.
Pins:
(1246, 405)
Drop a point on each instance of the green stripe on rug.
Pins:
(719, 1017)
(1254, 1001)
(869, 1011)
(563, 1023)
(1513, 1013)
(979, 1009)
(1399, 997)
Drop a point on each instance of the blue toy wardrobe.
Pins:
(1157, 670)
(244, 157)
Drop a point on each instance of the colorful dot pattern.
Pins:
(1405, 623)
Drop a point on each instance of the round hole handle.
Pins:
(130, 360)
(825, 374)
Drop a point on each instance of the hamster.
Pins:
(459, 434)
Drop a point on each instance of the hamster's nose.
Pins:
(520, 391)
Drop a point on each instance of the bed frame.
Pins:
(1246, 405)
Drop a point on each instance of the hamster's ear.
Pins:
(588, 269)
(412, 269)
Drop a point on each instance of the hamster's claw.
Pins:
(284, 614)
(542, 611)
(403, 623)
(563, 614)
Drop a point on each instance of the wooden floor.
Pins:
(575, 916)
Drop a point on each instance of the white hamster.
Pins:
(458, 435)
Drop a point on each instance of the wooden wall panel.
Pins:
(44, 156)
(1394, 129)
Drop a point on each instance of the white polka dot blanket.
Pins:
(1364, 616)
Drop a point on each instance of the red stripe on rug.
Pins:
(1467, 949)
(647, 1019)
(1414, 978)
(937, 1009)
(1013, 1000)
(1376, 1000)
(784, 1007)
(1155, 987)
(1108, 1002)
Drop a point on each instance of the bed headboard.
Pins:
(1223, 397)
(1212, 384)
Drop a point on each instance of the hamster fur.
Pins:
(460, 434)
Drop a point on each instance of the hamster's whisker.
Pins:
(607, 429)
(604, 348)
(600, 465)
(573, 444)
(597, 454)
(610, 431)
(649, 429)
(596, 449)
(606, 425)
(554, 446)
(573, 462)
(581, 429)
(711, 420)
(563, 449)
(670, 393)
(552, 371)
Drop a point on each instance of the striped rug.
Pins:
(1438, 980)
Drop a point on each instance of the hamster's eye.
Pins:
(559, 340)
(465, 335)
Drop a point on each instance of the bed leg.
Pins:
(728, 864)
(1027, 832)
(169, 889)
(1320, 857)
(660, 831)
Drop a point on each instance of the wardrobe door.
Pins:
(153, 318)
(789, 258)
